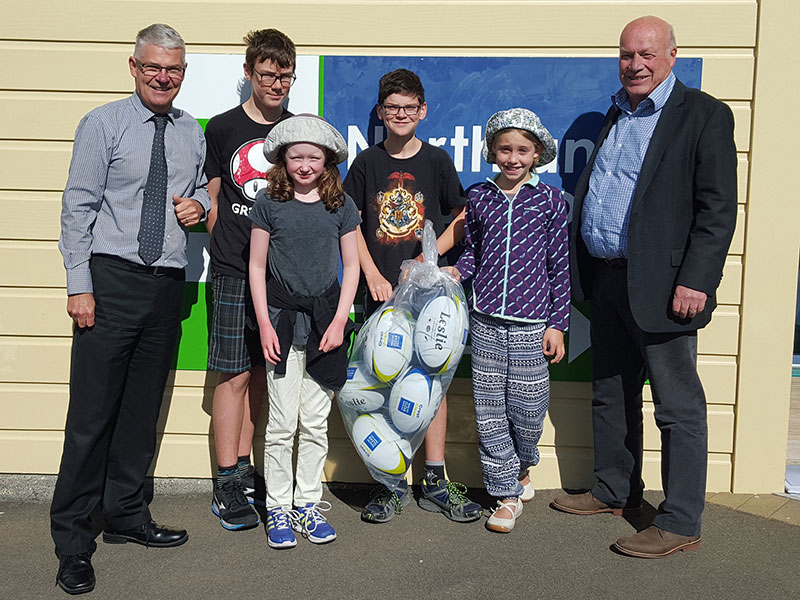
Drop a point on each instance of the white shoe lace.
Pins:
(311, 516)
(282, 518)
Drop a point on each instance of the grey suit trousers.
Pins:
(624, 356)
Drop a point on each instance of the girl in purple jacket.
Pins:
(516, 257)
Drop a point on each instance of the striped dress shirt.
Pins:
(607, 206)
(102, 202)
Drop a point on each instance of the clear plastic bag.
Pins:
(402, 363)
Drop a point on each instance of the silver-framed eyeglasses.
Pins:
(174, 72)
(269, 79)
(392, 109)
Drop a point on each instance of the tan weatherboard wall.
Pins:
(60, 59)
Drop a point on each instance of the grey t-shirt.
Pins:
(303, 251)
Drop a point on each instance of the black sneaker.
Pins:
(450, 499)
(231, 506)
(385, 504)
(253, 486)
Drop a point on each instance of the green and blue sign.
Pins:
(570, 95)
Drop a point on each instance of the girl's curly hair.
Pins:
(329, 183)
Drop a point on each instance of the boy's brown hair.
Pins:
(329, 184)
(400, 81)
(269, 44)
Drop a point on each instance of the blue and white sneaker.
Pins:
(279, 528)
(312, 524)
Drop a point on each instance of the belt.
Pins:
(614, 263)
(137, 268)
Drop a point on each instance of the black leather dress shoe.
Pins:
(75, 573)
(148, 534)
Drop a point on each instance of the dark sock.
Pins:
(244, 462)
(226, 472)
(434, 470)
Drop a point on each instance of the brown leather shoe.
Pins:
(587, 504)
(656, 543)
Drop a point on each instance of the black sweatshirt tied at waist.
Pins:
(329, 369)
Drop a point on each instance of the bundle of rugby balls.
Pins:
(402, 363)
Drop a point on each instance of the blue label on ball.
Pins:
(372, 440)
(405, 406)
(464, 338)
(394, 340)
(351, 372)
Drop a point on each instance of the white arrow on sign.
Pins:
(198, 255)
(579, 341)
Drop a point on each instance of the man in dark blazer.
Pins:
(654, 215)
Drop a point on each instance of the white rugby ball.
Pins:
(388, 348)
(380, 446)
(440, 334)
(414, 400)
(362, 391)
(464, 335)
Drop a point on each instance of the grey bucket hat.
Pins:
(305, 128)
(519, 118)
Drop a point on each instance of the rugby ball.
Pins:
(362, 391)
(440, 334)
(414, 399)
(380, 446)
(388, 348)
(464, 336)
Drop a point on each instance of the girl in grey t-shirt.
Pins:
(301, 228)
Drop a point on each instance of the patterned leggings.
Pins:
(511, 387)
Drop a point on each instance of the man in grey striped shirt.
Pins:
(136, 184)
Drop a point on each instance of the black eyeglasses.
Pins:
(151, 70)
(269, 79)
(392, 109)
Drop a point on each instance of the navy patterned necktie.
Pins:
(151, 229)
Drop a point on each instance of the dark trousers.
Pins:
(370, 305)
(624, 356)
(118, 373)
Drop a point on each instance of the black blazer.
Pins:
(683, 212)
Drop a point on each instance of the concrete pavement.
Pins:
(419, 554)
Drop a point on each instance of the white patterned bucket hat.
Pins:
(305, 128)
(519, 118)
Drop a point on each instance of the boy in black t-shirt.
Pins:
(396, 185)
(236, 170)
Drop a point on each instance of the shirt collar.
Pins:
(653, 103)
(533, 181)
(146, 114)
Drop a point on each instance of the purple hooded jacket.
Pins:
(517, 253)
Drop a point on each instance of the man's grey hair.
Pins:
(159, 35)
(672, 42)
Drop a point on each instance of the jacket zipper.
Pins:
(508, 252)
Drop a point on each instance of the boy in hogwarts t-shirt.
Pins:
(398, 184)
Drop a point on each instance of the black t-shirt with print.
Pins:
(396, 196)
(235, 154)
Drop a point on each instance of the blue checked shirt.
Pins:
(607, 206)
(102, 202)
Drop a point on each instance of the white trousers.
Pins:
(295, 398)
